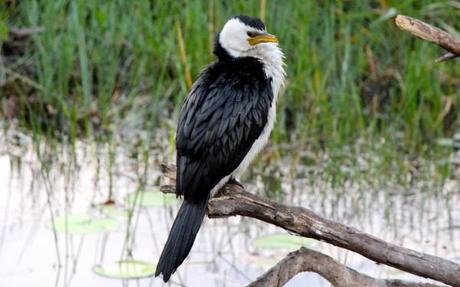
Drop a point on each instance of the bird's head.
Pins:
(244, 36)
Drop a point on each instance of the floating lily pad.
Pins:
(83, 224)
(126, 269)
(281, 241)
(151, 199)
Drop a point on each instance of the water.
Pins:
(41, 181)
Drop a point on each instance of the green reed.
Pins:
(104, 66)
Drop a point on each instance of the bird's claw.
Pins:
(234, 181)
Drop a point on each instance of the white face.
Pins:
(240, 40)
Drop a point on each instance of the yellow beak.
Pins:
(264, 38)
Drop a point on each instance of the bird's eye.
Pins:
(252, 34)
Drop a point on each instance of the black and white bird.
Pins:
(224, 122)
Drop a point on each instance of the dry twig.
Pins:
(431, 34)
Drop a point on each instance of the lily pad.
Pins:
(281, 241)
(151, 199)
(126, 269)
(82, 224)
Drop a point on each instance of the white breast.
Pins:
(272, 58)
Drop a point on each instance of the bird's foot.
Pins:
(236, 182)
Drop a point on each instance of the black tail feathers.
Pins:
(181, 237)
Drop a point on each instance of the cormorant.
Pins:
(224, 122)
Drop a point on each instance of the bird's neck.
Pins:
(272, 59)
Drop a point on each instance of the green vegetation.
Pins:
(101, 67)
(82, 224)
(126, 269)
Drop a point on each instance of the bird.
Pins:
(224, 122)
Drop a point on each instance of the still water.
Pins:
(41, 184)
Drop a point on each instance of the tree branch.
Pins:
(234, 200)
(431, 34)
(307, 260)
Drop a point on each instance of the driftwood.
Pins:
(234, 200)
(431, 34)
(306, 260)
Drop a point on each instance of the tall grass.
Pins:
(105, 65)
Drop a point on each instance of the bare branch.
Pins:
(234, 200)
(446, 57)
(307, 260)
(431, 34)
(24, 32)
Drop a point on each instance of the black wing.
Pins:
(221, 118)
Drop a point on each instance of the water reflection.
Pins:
(44, 181)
